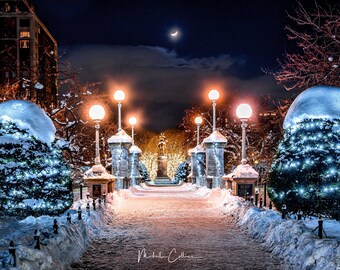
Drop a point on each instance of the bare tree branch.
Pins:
(317, 34)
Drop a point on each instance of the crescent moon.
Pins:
(174, 33)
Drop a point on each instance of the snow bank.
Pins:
(58, 251)
(316, 102)
(291, 240)
(29, 116)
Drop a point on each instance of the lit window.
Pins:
(24, 43)
(25, 34)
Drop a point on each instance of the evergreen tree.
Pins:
(34, 179)
(143, 172)
(305, 174)
(182, 172)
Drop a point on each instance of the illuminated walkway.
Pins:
(183, 227)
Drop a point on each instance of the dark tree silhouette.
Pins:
(316, 32)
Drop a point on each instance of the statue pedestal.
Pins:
(162, 176)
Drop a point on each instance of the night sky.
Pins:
(126, 44)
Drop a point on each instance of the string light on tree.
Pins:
(307, 174)
(35, 178)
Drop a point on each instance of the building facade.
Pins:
(28, 55)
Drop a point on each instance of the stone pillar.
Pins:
(135, 153)
(119, 145)
(214, 149)
(198, 165)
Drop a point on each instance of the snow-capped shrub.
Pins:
(305, 174)
(34, 179)
(182, 172)
(143, 172)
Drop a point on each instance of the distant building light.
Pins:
(25, 34)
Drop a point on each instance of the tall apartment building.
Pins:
(28, 54)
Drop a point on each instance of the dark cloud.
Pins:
(160, 81)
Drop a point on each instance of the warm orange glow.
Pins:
(97, 112)
(138, 114)
(213, 95)
(119, 95)
(244, 111)
(221, 85)
(127, 85)
(132, 121)
(198, 120)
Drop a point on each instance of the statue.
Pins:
(162, 176)
(162, 145)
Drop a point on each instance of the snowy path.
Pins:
(169, 221)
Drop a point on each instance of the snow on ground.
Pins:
(331, 227)
(161, 223)
(57, 250)
(210, 224)
(291, 240)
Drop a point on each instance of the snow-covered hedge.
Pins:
(57, 251)
(291, 240)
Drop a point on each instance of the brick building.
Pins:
(28, 54)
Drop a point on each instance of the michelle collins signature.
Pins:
(172, 257)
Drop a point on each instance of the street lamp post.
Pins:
(97, 113)
(134, 153)
(213, 96)
(197, 158)
(119, 96)
(119, 145)
(243, 112)
(133, 122)
(214, 148)
(198, 121)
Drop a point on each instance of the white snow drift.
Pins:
(319, 102)
(291, 240)
(29, 116)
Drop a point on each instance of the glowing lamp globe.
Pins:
(97, 112)
(244, 111)
(213, 95)
(198, 120)
(132, 121)
(119, 95)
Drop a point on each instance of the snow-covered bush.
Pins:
(182, 172)
(306, 172)
(143, 172)
(34, 179)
